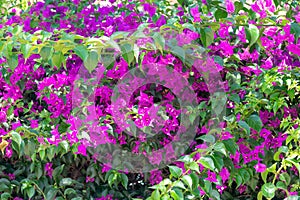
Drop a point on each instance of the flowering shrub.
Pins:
(150, 100)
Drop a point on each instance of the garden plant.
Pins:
(157, 99)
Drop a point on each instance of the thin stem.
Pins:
(276, 174)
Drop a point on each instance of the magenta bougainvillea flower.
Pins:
(230, 6)
(2, 117)
(260, 167)
(89, 179)
(211, 176)
(196, 14)
(81, 150)
(49, 169)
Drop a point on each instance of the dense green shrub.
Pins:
(62, 120)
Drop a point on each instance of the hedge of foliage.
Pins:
(60, 127)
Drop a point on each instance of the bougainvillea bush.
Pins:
(149, 99)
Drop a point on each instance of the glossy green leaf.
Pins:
(124, 180)
(255, 122)
(253, 34)
(207, 162)
(175, 171)
(91, 61)
(220, 14)
(188, 181)
(230, 145)
(159, 41)
(57, 59)
(207, 36)
(12, 61)
(81, 51)
(245, 126)
(285, 177)
(268, 190)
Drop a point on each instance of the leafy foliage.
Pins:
(254, 150)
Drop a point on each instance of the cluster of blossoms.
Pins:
(39, 97)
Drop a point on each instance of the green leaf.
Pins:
(127, 53)
(179, 184)
(57, 171)
(260, 195)
(281, 185)
(166, 181)
(181, 2)
(38, 171)
(12, 61)
(264, 176)
(51, 194)
(112, 178)
(50, 152)
(285, 177)
(189, 26)
(159, 41)
(69, 191)
(119, 34)
(5, 196)
(194, 166)
(25, 48)
(91, 61)
(42, 153)
(195, 180)
(136, 52)
(218, 160)
(295, 163)
(30, 192)
(16, 137)
(77, 198)
(239, 180)
(4, 188)
(66, 182)
(215, 194)
(176, 194)
(241, 19)
(238, 6)
(207, 138)
(175, 171)
(81, 51)
(272, 169)
(268, 190)
(245, 126)
(192, 116)
(255, 122)
(276, 156)
(179, 52)
(207, 36)
(57, 59)
(230, 145)
(220, 147)
(107, 59)
(207, 186)
(219, 60)
(155, 194)
(124, 180)
(65, 145)
(252, 33)
(295, 29)
(207, 162)
(220, 14)
(188, 181)
(245, 175)
(45, 52)
(235, 98)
